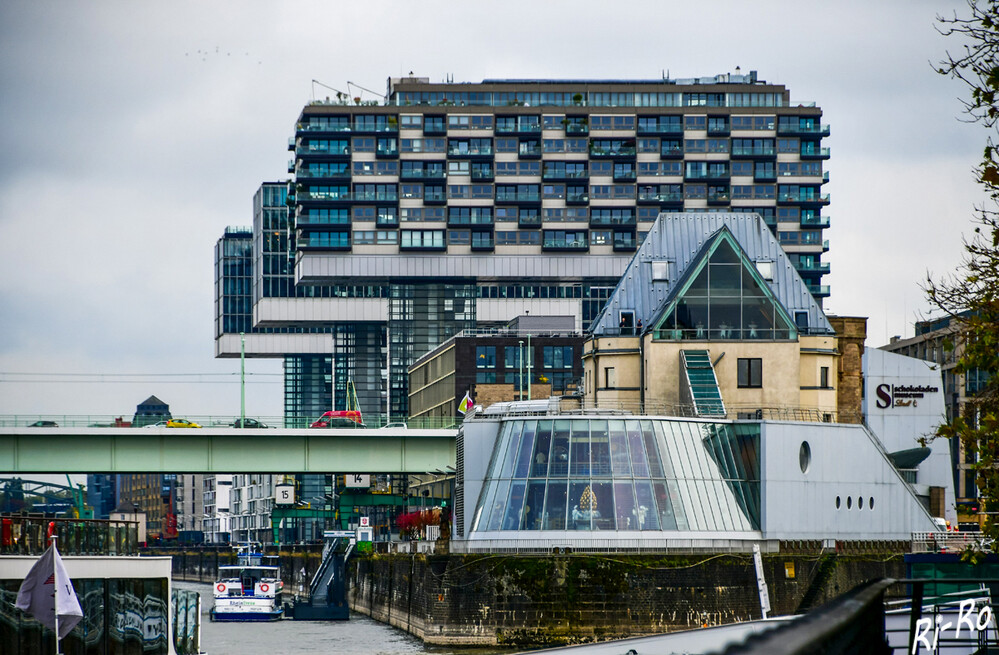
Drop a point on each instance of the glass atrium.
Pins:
(605, 474)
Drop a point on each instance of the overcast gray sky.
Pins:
(133, 133)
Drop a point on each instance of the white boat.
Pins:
(248, 591)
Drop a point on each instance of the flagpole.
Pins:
(55, 585)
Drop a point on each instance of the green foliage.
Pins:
(970, 296)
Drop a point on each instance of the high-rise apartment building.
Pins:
(454, 206)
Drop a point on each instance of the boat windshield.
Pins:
(248, 575)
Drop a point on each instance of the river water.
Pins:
(358, 636)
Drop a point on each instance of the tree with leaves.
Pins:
(970, 296)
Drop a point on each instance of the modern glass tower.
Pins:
(451, 206)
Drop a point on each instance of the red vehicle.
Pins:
(341, 418)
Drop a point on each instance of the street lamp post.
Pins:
(520, 365)
(529, 366)
(242, 380)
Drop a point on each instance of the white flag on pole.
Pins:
(37, 595)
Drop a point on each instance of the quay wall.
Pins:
(530, 601)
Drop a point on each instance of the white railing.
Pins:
(949, 542)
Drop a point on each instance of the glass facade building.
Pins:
(629, 474)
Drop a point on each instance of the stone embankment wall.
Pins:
(532, 601)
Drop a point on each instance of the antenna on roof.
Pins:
(357, 99)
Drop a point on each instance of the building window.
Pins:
(610, 377)
(824, 377)
(750, 373)
(485, 356)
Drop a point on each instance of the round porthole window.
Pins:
(849, 502)
(860, 502)
(805, 456)
(837, 502)
(870, 505)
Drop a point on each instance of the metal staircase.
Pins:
(328, 589)
(702, 385)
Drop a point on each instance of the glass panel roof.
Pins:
(726, 299)
(615, 474)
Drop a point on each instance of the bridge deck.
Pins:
(224, 450)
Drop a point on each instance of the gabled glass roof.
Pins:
(608, 474)
(723, 296)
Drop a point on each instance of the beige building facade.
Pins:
(710, 319)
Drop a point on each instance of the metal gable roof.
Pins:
(677, 240)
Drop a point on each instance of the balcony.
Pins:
(483, 175)
(386, 151)
(329, 152)
(624, 241)
(707, 176)
(658, 129)
(519, 128)
(375, 196)
(529, 221)
(803, 198)
(719, 198)
(718, 129)
(815, 153)
(577, 129)
(325, 241)
(625, 176)
(470, 221)
(307, 219)
(813, 267)
(517, 197)
(554, 242)
(482, 151)
(485, 241)
(322, 127)
(615, 221)
(672, 152)
(577, 198)
(661, 199)
(818, 290)
(565, 176)
(434, 196)
(422, 174)
(434, 129)
(530, 151)
(323, 174)
(766, 152)
(815, 222)
(608, 153)
(793, 129)
(291, 143)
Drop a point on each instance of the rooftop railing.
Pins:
(579, 406)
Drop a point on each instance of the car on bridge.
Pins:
(181, 423)
(247, 423)
(44, 424)
(342, 418)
